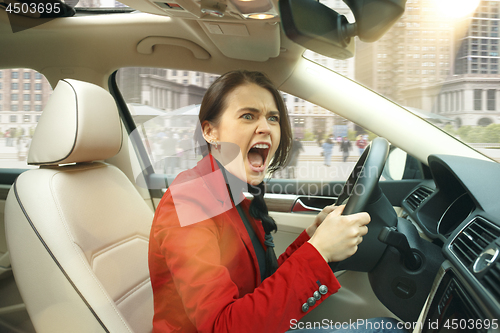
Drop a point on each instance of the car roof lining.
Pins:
(112, 33)
(192, 9)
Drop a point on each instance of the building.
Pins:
(471, 95)
(164, 89)
(477, 51)
(23, 95)
(415, 63)
(414, 52)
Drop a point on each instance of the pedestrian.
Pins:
(345, 147)
(9, 136)
(361, 143)
(327, 150)
(319, 137)
(297, 147)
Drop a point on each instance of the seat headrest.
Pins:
(80, 123)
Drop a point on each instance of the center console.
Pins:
(451, 308)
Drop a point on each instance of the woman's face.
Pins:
(248, 132)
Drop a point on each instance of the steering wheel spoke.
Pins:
(361, 193)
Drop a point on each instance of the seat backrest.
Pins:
(77, 229)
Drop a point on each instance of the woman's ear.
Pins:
(209, 131)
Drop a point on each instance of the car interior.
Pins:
(75, 221)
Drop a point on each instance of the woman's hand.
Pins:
(338, 237)
(319, 219)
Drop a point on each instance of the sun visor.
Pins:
(254, 41)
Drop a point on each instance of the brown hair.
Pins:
(214, 103)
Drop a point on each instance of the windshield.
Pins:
(439, 61)
(99, 4)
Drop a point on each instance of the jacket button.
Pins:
(305, 307)
(316, 295)
(311, 301)
(323, 289)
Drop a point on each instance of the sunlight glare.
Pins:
(456, 8)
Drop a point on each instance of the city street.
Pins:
(310, 165)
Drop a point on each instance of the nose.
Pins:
(263, 126)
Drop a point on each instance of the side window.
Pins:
(23, 95)
(164, 104)
(326, 146)
(400, 165)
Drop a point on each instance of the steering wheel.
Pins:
(362, 193)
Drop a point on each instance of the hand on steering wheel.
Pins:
(338, 237)
(360, 192)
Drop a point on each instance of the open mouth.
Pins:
(257, 156)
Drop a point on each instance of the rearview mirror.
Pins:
(323, 30)
(317, 28)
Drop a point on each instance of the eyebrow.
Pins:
(254, 110)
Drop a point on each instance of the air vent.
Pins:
(417, 196)
(471, 241)
(491, 280)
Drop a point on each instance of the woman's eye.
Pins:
(274, 118)
(247, 116)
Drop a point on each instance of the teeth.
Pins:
(261, 146)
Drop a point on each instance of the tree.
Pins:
(479, 134)
(450, 129)
(309, 136)
(351, 135)
(476, 135)
(491, 133)
(463, 132)
(371, 135)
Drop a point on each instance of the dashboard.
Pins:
(459, 210)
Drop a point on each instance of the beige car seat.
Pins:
(77, 229)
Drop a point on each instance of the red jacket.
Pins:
(204, 270)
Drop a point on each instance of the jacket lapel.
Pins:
(215, 181)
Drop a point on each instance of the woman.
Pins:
(211, 257)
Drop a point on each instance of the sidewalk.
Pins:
(316, 170)
(310, 165)
(313, 153)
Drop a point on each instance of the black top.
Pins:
(238, 187)
(257, 246)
